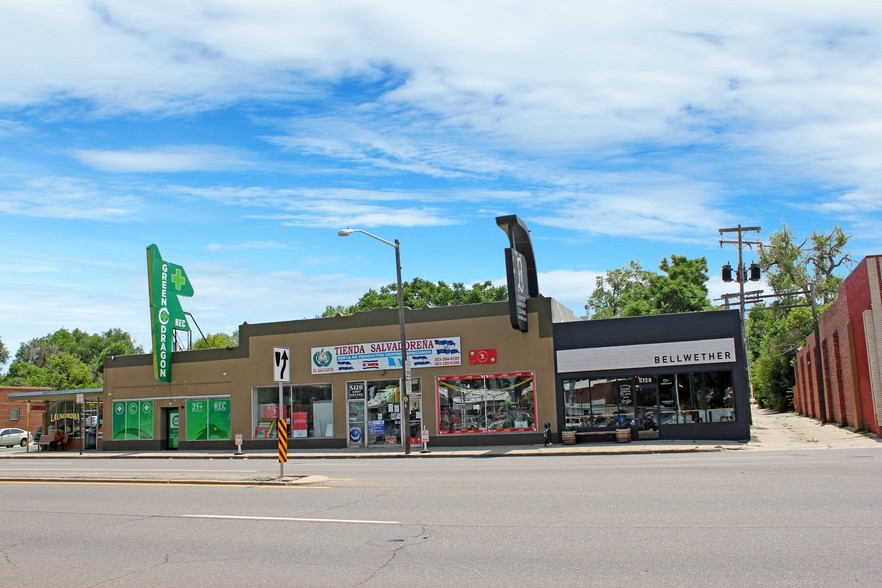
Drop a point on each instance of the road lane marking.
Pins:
(292, 519)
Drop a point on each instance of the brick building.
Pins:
(851, 350)
(14, 412)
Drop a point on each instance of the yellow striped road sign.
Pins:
(283, 441)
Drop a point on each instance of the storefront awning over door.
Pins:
(89, 394)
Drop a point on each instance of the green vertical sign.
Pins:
(132, 420)
(166, 281)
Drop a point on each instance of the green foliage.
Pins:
(217, 341)
(682, 287)
(776, 335)
(61, 371)
(790, 266)
(621, 292)
(634, 291)
(420, 293)
(67, 360)
(777, 331)
(4, 353)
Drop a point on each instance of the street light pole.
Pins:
(405, 372)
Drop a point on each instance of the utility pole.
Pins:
(741, 272)
(742, 275)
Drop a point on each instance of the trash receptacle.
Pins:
(623, 435)
(90, 441)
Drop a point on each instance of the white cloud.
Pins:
(562, 78)
(571, 288)
(332, 208)
(66, 198)
(247, 246)
(174, 158)
(664, 211)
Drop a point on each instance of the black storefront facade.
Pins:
(678, 376)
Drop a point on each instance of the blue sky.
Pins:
(241, 136)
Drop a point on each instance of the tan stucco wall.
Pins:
(236, 371)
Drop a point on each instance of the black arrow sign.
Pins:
(282, 362)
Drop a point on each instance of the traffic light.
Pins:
(727, 273)
(754, 272)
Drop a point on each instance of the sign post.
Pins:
(282, 374)
(80, 401)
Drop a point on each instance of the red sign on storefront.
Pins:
(482, 356)
(38, 408)
(298, 424)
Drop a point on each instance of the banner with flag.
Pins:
(383, 355)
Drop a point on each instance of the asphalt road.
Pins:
(731, 518)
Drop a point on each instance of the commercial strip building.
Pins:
(476, 381)
(481, 374)
(849, 389)
(676, 376)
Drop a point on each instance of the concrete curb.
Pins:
(593, 449)
(286, 481)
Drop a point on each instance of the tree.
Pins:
(621, 292)
(4, 353)
(61, 371)
(37, 360)
(775, 336)
(682, 288)
(786, 263)
(217, 341)
(420, 293)
(776, 331)
(633, 291)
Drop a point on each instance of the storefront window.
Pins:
(208, 419)
(308, 409)
(492, 403)
(706, 397)
(605, 403)
(133, 420)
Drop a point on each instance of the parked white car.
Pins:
(12, 437)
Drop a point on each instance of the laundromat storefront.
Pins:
(77, 414)
(489, 384)
(677, 376)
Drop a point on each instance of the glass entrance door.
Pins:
(355, 414)
(383, 413)
(356, 424)
(646, 413)
(374, 413)
(173, 428)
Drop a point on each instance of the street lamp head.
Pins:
(347, 232)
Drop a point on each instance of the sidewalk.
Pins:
(771, 431)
